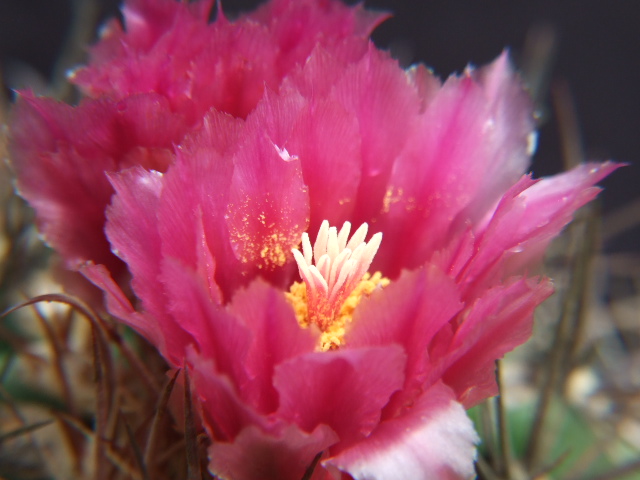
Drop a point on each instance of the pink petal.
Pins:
(206, 264)
(345, 389)
(233, 67)
(498, 322)
(195, 184)
(120, 307)
(68, 194)
(409, 312)
(529, 215)
(326, 138)
(216, 333)
(132, 231)
(127, 62)
(199, 182)
(275, 338)
(62, 155)
(257, 455)
(218, 131)
(172, 50)
(322, 69)
(223, 412)
(268, 202)
(375, 89)
(471, 143)
(433, 440)
(298, 26)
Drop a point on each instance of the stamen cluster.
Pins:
(339, 267)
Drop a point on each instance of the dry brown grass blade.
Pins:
(137, 453)
(103, 371)
(74, 437)
(544, 471)
(485, 470)
(158, 418)
(619, 472)
(58, 352)
(102, 408)
(138, 366)
(504, 440)
(16, 342)
(190, 434)
(556, 366)
(113, 458)
(84, 18)
(582, 248)
(311, 468)
(4, 369)
(539, 55)
(73, 302)
(23, 430)
(99, 329)
(571, 140)
(15, 411)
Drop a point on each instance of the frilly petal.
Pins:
(495, 324)
(345, 389)
(275, 338)
(468, 146)
(434, 440)
(326, 138)
(409, 312)
(257, 455)
(153, 329)
(375, 89)
(68, 194)
(132, 231)
(527, 218)
(62, 154)
(268, 205)
(223, 412)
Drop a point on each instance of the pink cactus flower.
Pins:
(309, 340)
(148, 86)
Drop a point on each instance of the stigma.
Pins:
(335, 276)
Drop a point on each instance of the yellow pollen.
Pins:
(333, 336)
(333, 287)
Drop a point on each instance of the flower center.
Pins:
(338, 280)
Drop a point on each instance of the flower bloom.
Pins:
(358, 348)
(146, 88)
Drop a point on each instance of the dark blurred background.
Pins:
(590, 48)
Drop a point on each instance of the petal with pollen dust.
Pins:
(268, 201)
